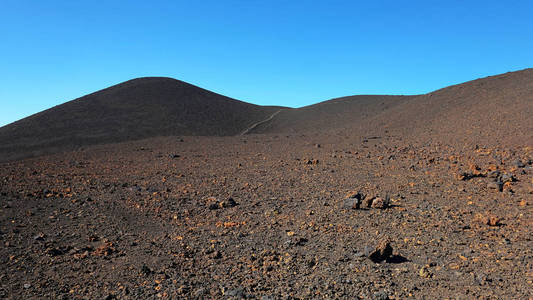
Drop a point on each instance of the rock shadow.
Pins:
(397, 259)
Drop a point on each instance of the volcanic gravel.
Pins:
(265, 217)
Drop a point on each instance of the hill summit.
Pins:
(136, 109)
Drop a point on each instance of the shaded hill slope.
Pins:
(328, 115)
(136, 109)
(492, 110)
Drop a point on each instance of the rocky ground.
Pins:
(269, 217)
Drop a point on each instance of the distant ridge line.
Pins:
(481, 111)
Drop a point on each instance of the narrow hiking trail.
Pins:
(260, 122)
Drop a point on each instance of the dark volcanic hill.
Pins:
(490, 110)
(493, 110)
(332, 114)
(136, 109)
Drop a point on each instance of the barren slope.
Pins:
(136, 109)
(332, 114)
(493, 110)
(490, 110)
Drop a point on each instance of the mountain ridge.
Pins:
(148, 107)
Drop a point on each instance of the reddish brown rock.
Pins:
(382, 252)
(380, 203)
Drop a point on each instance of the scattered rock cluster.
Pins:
(499, 180)
(312, 162)
(359, 200)
(213, 203)
(488, 219)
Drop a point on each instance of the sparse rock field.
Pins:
(243, 217)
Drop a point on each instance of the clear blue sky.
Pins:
(290, 53)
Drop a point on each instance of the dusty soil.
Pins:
(154, 219)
